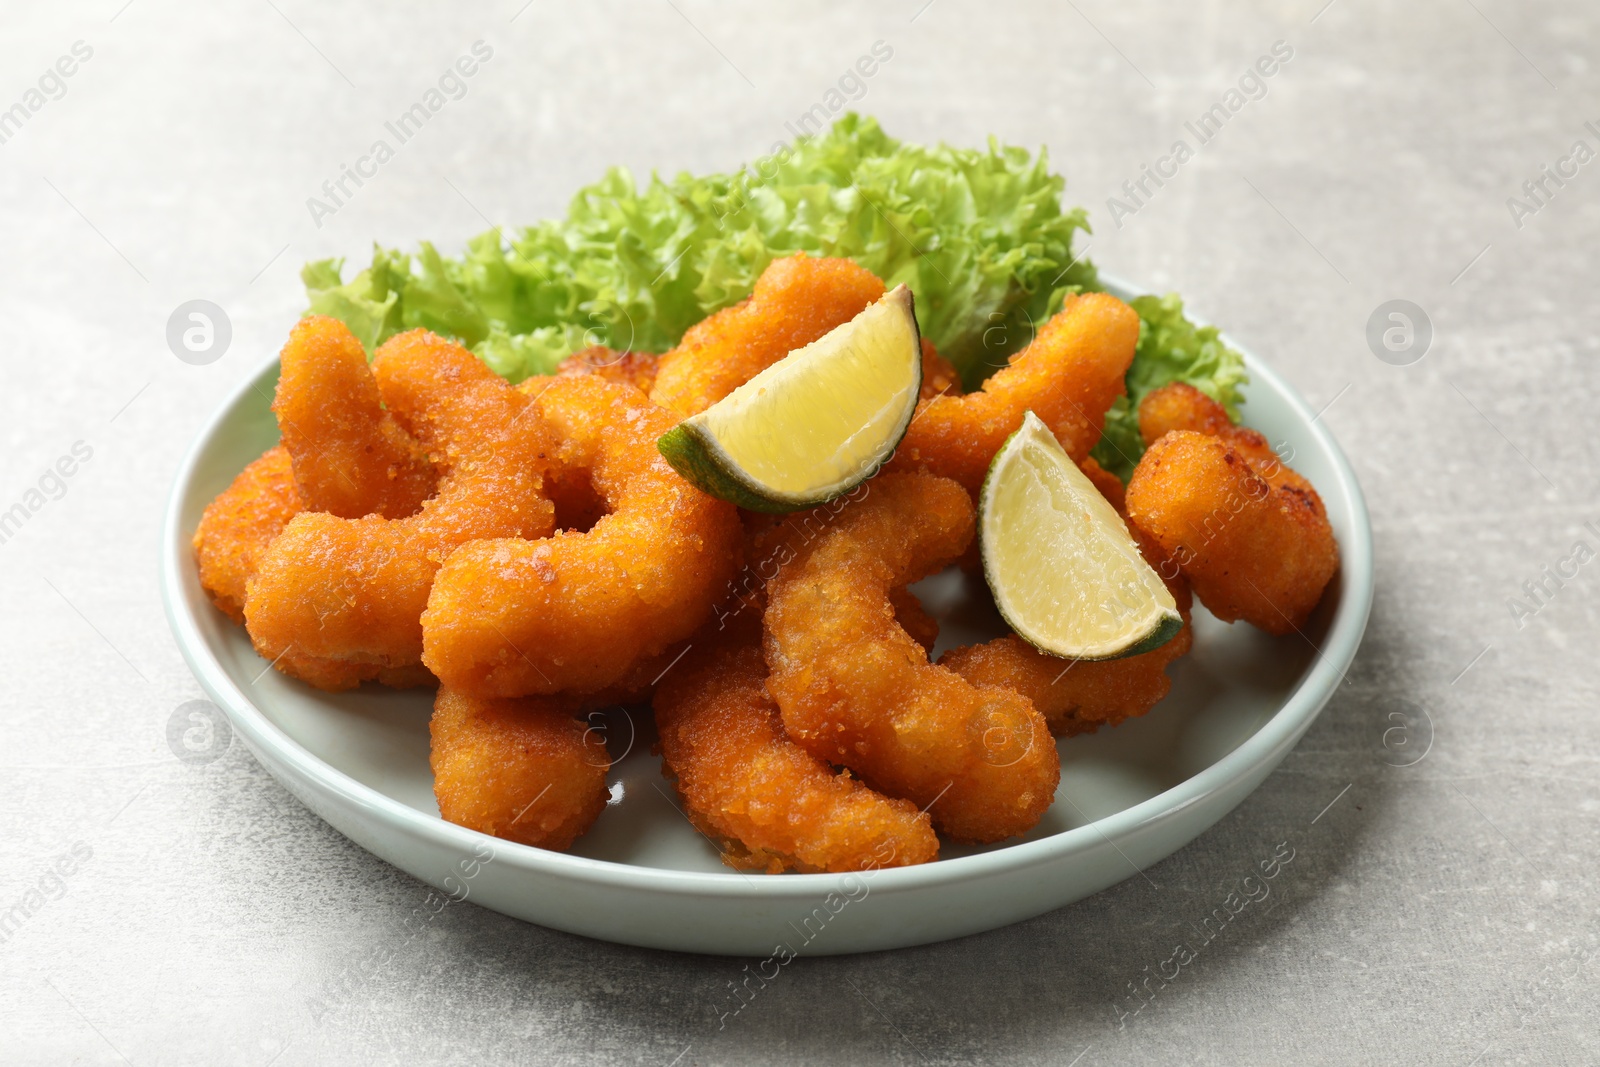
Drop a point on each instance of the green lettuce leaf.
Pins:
(1171, 349)
(979, 235)
(368, 303)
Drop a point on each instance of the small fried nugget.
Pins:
(856, 689)
(1252, 549)
(1180, 406)
(573, 612)
(796, 300)
(338, 601)
(525, 770)
(637, 369)
(350, 456)
(1069, 376)
(240, 523)
(744, 783)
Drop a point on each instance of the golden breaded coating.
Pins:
(856, 689)
(526, 770)
(1180, 406)
(745, 784)
(1252, 550)
(510, 617)
(636, 687)
(1074, 696)
(796, 300)
(350, 456)
(338, 601)
(939, 375)
(637, 369)
(1068, 376)
(769, 545)
(240, 523)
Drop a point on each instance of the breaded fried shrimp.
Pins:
(240, 523)
(1068, 376)
(525, 770)
(796, 300)
(1074, 696)
(1080, 696)
(350, 456)
(1252, 549)
(508, 617)
(337, 601)
(637, 686)
(637, 369)
(856, 689)
(744, 783)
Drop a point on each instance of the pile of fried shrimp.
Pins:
(528, 551)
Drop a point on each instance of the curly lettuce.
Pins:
(980, 235)
(1171, 349)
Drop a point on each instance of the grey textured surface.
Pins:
(1443, 912)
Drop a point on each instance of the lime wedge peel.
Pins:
(1065, 573)
(813, 425)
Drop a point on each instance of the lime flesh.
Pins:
(816, 423)
(1065, 573)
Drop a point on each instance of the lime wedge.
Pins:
(1065, 573)
(813, 425)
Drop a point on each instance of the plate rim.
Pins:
(1265, 746)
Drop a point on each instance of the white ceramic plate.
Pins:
(643, 876)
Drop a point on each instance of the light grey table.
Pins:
(1442, 910)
